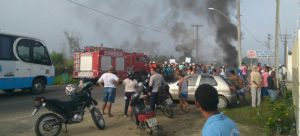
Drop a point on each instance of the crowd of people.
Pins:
(260, 79)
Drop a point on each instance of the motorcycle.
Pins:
(142, 114)
(66, 112)
(165, 102)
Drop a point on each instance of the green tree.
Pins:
(59, 61)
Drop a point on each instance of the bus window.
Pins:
(23, 50)
(40, 54)
(6, 47)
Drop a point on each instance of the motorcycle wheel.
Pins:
(48, 124)
(98, 118)
(154, 131)
(167, 110)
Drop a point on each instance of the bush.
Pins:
(277, 117)
(64, 79)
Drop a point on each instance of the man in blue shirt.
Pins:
(217, 124)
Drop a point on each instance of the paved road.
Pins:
(16, 109)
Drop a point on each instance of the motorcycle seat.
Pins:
(64, 104)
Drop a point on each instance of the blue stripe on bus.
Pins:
(20, 82)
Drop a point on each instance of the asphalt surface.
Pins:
(16, 109)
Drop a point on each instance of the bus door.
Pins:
(23, 66)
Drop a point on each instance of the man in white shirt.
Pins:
(108, 80)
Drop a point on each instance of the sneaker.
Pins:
(125, 116)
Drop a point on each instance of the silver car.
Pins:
(226, 94)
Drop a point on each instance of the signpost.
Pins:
(251, 54)
(260, 54)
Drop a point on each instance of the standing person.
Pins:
(255, 80)
(238, 85)
(130, 88)
(217, 124)
(244, 73)
(156, 80)
(183, 93)
(264, 88)
(259, 67)
(108, 80)
(272, 86)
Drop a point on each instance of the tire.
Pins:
(38, 86)
(167, 110)
(154, 131)
(98, 118)
(44, 124)
(223, 103)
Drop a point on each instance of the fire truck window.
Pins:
(105, 63)
(120, 64)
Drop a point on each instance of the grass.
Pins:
(267, 118)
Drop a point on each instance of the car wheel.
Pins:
(223, 103)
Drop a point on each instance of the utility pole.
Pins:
(269, 46)
(285, 38)
(277, 34)
(239, 42)
(197, 46)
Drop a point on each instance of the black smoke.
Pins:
(226, 31)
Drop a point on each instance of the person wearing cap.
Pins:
(109, 81)
(216, 124)
(255, 84)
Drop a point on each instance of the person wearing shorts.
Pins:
(183, 93)
(108, 80)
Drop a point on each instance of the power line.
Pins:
(119, 18)
(252, 35)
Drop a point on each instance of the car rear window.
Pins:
(192, 80)
(208, 80)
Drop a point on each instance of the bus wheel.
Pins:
(38, 86)
(9, 91)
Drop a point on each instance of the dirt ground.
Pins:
(183, 124)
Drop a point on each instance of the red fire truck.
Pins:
(91, 62)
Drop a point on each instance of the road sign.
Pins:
(251, 54)
(260, 54)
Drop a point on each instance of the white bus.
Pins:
(24, 64)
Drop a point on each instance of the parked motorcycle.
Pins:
(142, 114)
(164, 101)
(66, 112)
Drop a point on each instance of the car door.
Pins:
(192, 86)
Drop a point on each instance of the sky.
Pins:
(48, 19)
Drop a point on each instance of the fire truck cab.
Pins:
(91, 62)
